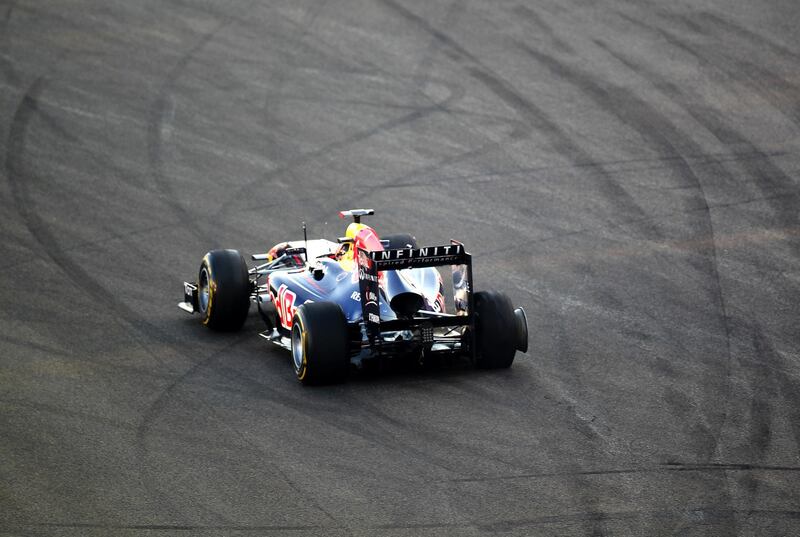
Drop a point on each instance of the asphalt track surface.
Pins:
(626, 171)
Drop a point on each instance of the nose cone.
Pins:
(407, 303)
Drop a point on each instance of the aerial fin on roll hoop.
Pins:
(305, 241)
(356, 214)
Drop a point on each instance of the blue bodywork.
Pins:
(327, 280)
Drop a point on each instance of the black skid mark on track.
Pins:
(762, 388)
(103, 162)
(544, 28)
(777, 187)
(378, 433)
(401, 435)
(782, 94)
(155, 409)
(290, 400)
(659, 131)
(534, 117)
(279, 80)
(583, 490)
(709, 515)
(403, 181)
(773, 183)
(284, 394)
(422, 72)
(735, 68)
(245, 191)
(7, 15)
(564, 144)
(519, 130)
(6, 66)
(179, 529)
(155, 141)
(706, 19)
(661, 469)
(769, 362)
(19, 179)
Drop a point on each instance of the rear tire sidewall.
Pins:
(225, 302)
(495, 330)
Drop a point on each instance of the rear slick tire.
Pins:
(320, 344)
(495, 330)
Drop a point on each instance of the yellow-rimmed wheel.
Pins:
(299, 348)
(223, 290)
(320, 343)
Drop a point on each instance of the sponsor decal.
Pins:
(368, 288)
(430, 255)
(285, 306)
(363, 275)
(437, 305)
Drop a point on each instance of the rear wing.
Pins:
(370, 263)
(430, 256)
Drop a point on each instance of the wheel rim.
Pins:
(297, 347)
(203, 290)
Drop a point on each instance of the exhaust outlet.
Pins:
(407, 303)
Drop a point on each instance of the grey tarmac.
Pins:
(626, 171)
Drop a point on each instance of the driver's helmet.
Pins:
(345, 254)
(360, 234)
(353, 229)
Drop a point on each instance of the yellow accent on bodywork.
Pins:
(353, 229)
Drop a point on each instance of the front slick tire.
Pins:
(224, 290)
(495, 330)
(320, 344)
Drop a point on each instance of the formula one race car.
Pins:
(337, 304)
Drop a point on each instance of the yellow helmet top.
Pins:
(353, 229)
